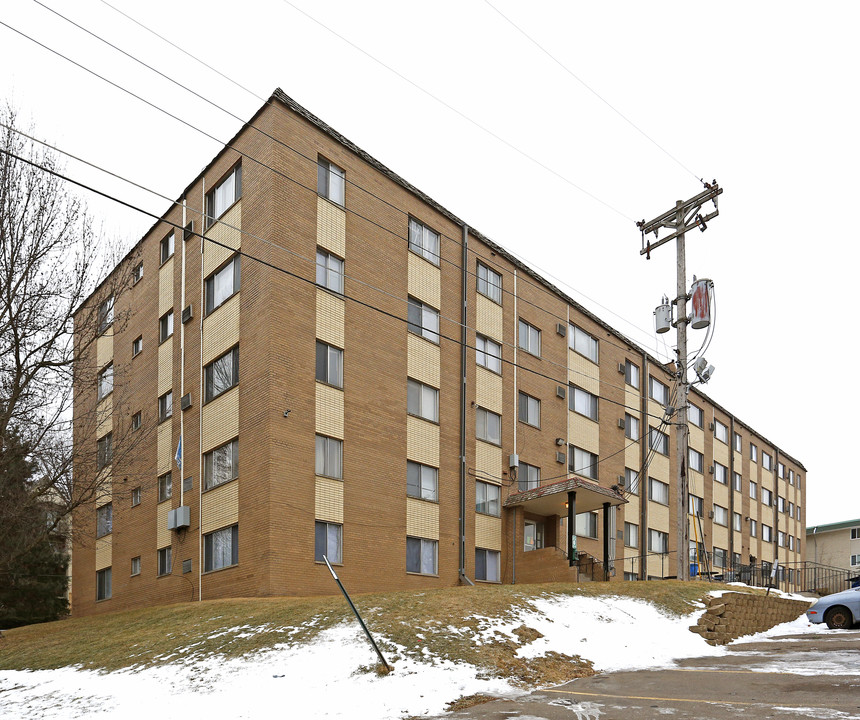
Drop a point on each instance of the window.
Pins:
(137, 346)
(753, 490)
(586, 524)
(331, 181)
(487, 565)
(104, 520)
(329, 366)
(105, 451)
(528, 477)
(721, 515)
(780, 470)
(489, 283)
(329, 457)
(105, 314)
(766, 533)
(631, 535)
(223, 284)
(221, 549)
(424, 241)
(631, 481)
(753, 453)
(766, 461)
(791, 477)
(736, 481)
(855, 560)
(721, 432)
(221, 465)
(533, 535)
(488, 354)
(736, 522)
(780, 538)
(221, 374)
(721, 474)
(855, 533)
(631, 374)
(488, 426)
(487, 498)
(658, 542)
(582, 402)
(529, 338)
(165, 406)
(529, 410)
(658, 391)
(780, 504)
(736, 560)
(167, 246)
(421, 556)
(187, 484)
(697, 417)
(105, 382)
(328, 542)
(766, 497)
(423, 320)
(164, 561)
(631, 427)
(225, 193)
(135, 565)
(137, 273)
(659, 441)
(696, 506)
(165, 487)
(136, 421)
(421, 481)
(719, 557)
(753, 528)
(696, 460)
(135, 497)
(103, 584)
(658, 491)
(165, 326)
(582, 462)
(738, 442)
(581, 342)
(791, 510)
(329, 271)
(422, 400)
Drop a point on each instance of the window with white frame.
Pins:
(223, 284)
(791, 477)
(104, 520)
(135, 497)
(422, 481)
(766, 533)
(766, 497)
(533, 535)
(529, 338)
(167, 246)
(329, 271)
(721, 474)
(529, 409)
(631, 535)
(631, 481)
(855, 560)
(658, 491)
(489, 283)
(137, 273)
(659, 441)
(582, 343)
(780, 470)
(137, 346)
(329, 457)
(488, 426)
(221, 549)
(423, 320)
(780, 504)
(696, 460)
(423, 241)
(105, 314)
(164, 561)
(103, 584)
(487, 565)
(780, 538)
(165, 486)
(631, 427)
(488, 354)
(855, 533)
(328, 542)
(791, 510)
(657, 391)
(738, 442)
(631, 374)
(136, 421)
(421, 555)
(329, 364)
(221, 465)
(737, 481)
(104, 454)
(696, 506)
(487, 498)
(586, 524)
(422, 400)
(719, 557)
(582, 402)
(135, 565)
(736, 522)
(753, 453)
(165, 406)
(721, 432)
(753, 490)
(224, 194)
(105, 382)
(331, 181)
(721, 515)
(582, 462)
(753, 528)
(165, 326)
(766, 461)
(696, 415)
(221, 374)
(658, 542)
(528, 477)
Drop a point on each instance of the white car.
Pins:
(840, 610)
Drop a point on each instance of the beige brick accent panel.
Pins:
(104, 415)
(583, 372)
(220, 507)
(221, 330)
(488, 532)
(489, 318)
(104, 552)
(165, 287)
(165, 447)
(422, 441)
(214, 255)
(331, 227)
(658, 516)
(631, 453)
(330, 313)
(162, 534)
(329, 411)
(220, 420)
(104, 348)
(488, 390)
(329, 500)
(659, 467)
(721, 453)
(422, 519)
(584, 433)
(488, 459)
(697, 438)
(424, 281)
(734, 615)
(105, 490)
(165, 367)
(423, 360)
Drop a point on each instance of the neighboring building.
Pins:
(836, 545)
(385, 374)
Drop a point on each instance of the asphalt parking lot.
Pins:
(804, 676)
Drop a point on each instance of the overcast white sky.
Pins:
(761, 96)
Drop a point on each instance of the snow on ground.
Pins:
(332, 677)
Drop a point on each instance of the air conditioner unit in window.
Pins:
(561, 391)
(561, 457)
(187, 314)
(561, 329)
(621, 423)
(185, 402)
(179, 518)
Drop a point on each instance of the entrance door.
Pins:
(533, 535)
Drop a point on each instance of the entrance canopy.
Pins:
(552, 499)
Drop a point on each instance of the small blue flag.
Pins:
(178, 456)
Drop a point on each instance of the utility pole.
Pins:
(682, 218)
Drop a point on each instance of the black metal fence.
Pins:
(791, 577)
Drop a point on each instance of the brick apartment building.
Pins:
(329, 353)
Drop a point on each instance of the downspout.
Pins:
(644, 489)
(731, 483)
(463, 340)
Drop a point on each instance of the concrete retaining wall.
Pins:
(736, 614)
